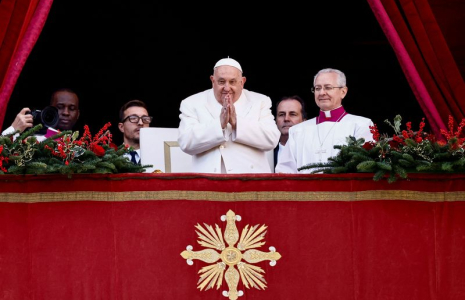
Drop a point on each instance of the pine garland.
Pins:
(65, 153)
(405, 152)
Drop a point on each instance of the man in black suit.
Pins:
(289, 111)
(133, 116)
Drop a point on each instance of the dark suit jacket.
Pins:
(275, 155)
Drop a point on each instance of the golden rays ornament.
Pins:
(233, 263)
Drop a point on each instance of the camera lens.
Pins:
(50, 116)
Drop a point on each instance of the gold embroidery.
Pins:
(231, 257)
(237, 196)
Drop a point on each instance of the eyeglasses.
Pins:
(135, 119)
(327, 88)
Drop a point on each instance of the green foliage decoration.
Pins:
(394, 157)
(65, 153)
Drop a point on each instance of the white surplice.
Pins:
(312, 143)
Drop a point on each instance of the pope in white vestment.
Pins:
(228, 129)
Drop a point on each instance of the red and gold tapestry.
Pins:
(330, 237)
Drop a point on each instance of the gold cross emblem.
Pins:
(237, 261)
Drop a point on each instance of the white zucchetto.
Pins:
(228, 62)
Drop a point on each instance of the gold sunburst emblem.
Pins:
(232, 257)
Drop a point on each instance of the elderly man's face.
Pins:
(328, 99)
(227, 80)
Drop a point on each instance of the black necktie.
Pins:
(133, 157)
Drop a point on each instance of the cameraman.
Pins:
(22, 121)
(67, 103)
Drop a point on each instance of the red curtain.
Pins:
(21, 22)
(424, 55)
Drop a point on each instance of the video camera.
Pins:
(48, 117)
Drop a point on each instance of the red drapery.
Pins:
(21, 22)
(341, 237)
(425, 57)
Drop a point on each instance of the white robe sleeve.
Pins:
(287, 160)
(259, 132)
(197, 133)
(8, 130)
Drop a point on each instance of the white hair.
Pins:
(341, 77)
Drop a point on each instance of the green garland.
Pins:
(393, 158)
(64, 153)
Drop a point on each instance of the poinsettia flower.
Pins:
(442, 143)
(113, 145)
(368, 146)
(3, 158)
(396, 141)
(98, 150)
(394, 144)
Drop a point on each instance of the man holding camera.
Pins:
(22, 121)
(67, 103)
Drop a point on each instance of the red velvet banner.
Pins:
(339, 237)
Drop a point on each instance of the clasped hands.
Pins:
(228, 113)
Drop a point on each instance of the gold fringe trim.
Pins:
(231, 197)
